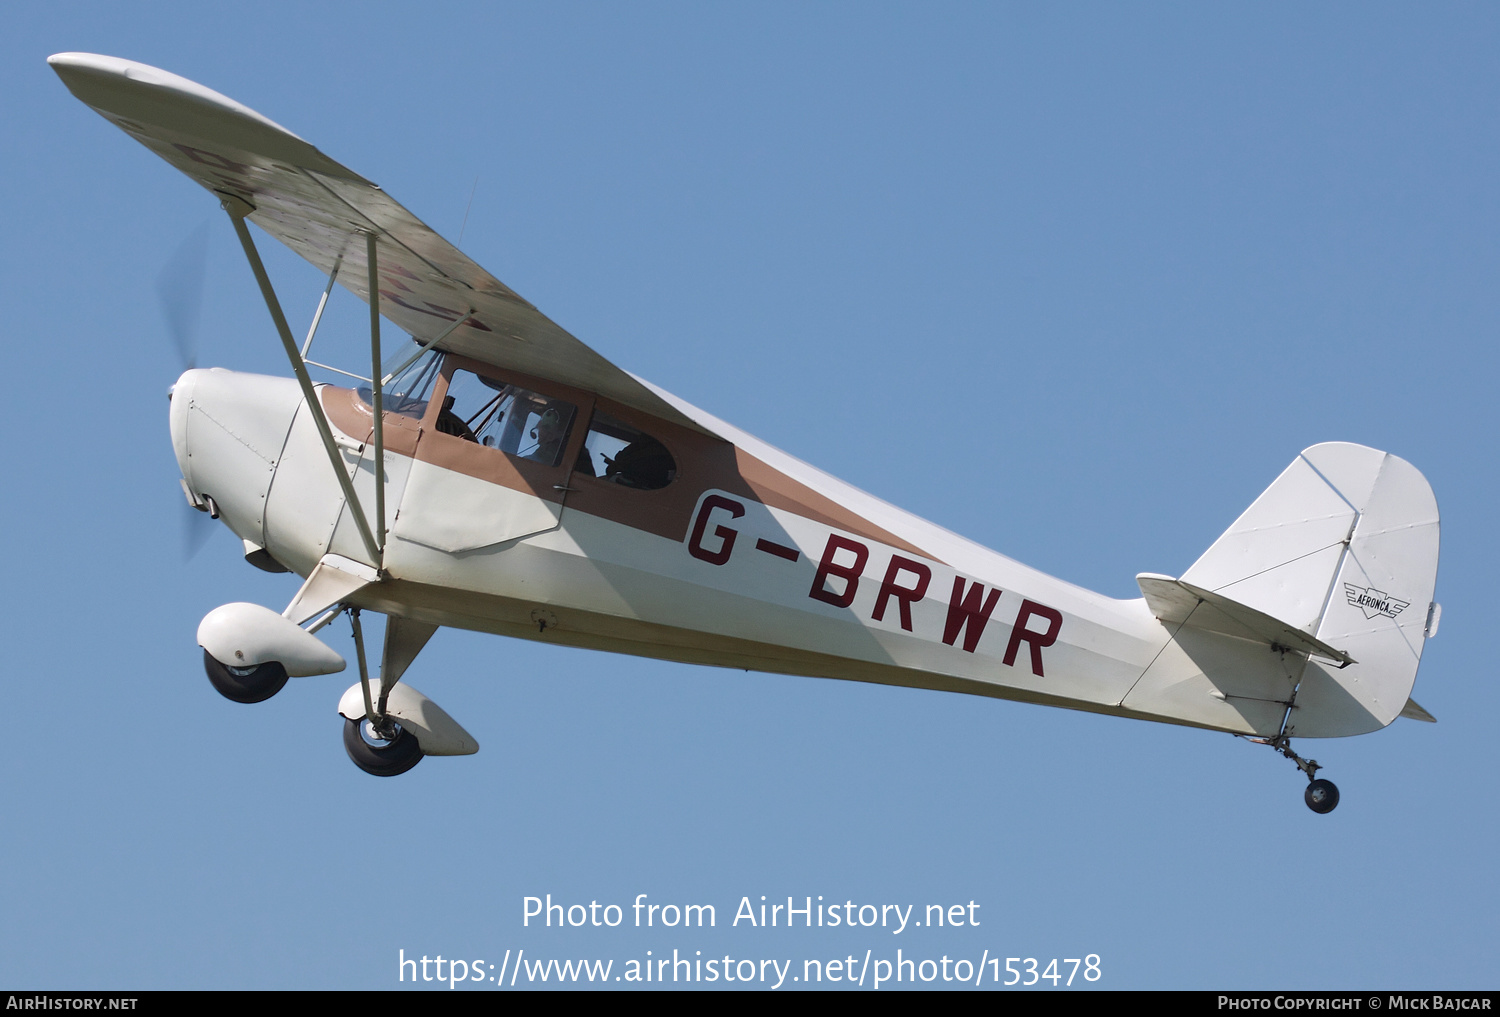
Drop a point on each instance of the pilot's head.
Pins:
(549, 425)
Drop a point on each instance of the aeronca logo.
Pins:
(1372, 601)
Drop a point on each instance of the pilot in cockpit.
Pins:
(449, 422)
(550, 432)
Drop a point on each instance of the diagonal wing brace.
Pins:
(238, 208)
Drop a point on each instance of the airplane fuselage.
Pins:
(747, 559)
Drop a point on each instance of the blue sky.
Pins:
(1076, 281)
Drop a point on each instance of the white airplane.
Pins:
(531, 488)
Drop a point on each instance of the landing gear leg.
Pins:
(1322, 796)
(377, 744)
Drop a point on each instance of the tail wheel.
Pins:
(377, 755)
(245, 684)
(1322, 796)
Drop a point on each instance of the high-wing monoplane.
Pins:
(497, 474)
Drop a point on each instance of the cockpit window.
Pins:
(407, 391)
(517, 421)
(620, 454)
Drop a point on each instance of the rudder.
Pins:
(1344, 547)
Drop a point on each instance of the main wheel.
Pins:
(245, 684)
(380, 756)
(1322, 796)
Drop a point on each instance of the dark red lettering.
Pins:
(213, 159)
(779, 550)
(850, 573)
(1037, 639)
(964, 609)
(725, 534)
(905, 596)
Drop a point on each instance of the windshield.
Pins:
(407, 392)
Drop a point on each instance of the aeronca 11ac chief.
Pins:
(499, 475)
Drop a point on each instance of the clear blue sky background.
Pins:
(1076, 281)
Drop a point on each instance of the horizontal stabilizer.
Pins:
(1412, 711)
(1176, 602)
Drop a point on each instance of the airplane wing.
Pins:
(318, 208)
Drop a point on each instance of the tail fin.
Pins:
(1344, 548)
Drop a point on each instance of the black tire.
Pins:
(388, 759)
(245, 684)
(1322, 796)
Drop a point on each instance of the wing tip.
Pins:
(132, 94)
(105, 82)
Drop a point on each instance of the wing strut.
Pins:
(238, 208)
(322, 303)
(424, 347)
(313, 329)
(377, 392)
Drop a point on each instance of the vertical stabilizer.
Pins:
(1344, 547)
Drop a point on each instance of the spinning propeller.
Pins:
(179, 287)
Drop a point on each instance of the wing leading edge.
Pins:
(320, 209)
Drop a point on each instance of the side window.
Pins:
(620, 454)
(514, 420)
